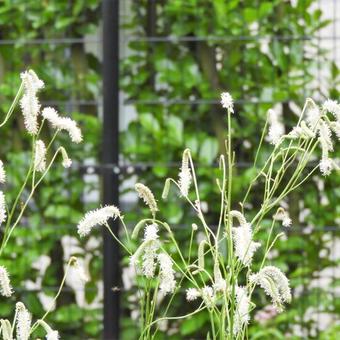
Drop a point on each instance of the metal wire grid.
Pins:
(325, 39)
(96, 104)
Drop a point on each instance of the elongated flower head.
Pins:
(63, 123)
(326, 166)
(313, 117)
(31, 81)
(149, 258)
(166, 274)
(227, 101)
(243, 243)
(151, 232)
(192, 294)
(147, 196)
(50, 333)
(275, 285)
(96, 217)
(241, 317)
(67, 162)
(325, 134)
(332, 106)
(29, 102)
(208, 296)
(2, 173)
(40, 156)
(24, 320)
(276, 128)
(3, 214)
(185, 174)
(243, 239)
(5, 284)
(283, 215)
(6, 329)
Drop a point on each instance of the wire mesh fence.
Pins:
(176, 57)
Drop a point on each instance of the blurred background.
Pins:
(175, 58)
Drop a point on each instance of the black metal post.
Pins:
(110, 153)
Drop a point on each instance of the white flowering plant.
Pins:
(45, 154)
(226, 288)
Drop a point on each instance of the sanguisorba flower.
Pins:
(29, 102)
(63, 123)
(192, 294)
(150, 250)
(276, 128)
(241, 317)
(96, 217)
(40, 156)
(166, 274)
(50, 333)
(67, 162)
(3, 214)
(147, 196)
(185, 174)
(244, 245)
(208, 296)
(2, 173)
(23, 320)
(227, 101)
(333, 107)
(275, 285)
(5, 284)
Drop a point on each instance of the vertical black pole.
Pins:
(110, 152)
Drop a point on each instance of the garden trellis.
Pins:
(152, 37)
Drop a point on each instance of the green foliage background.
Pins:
(252, 49)
(263, 53)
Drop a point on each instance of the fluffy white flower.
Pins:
(325, 134)
(150, 251)
(149, 259)
(335, 126)
(208, 296)
(67, 162)
(2, 173)
(220, 285)
(52, 335)
(29, 102)
(275, 285)
(227, 101)
(2, 208)
(40, 156)
(5, 284)
(313, 117)
(31, 81)
(147, 196)
(151, 232)
(24, 320)
(192, 294)
(283, 215)
(96, 217)
(166, 274)
(276, 128)
(185, 174)
(244, 246)
(326, 166)
(241, 317)
(333, 107)
(63, 123)
(6, 329)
